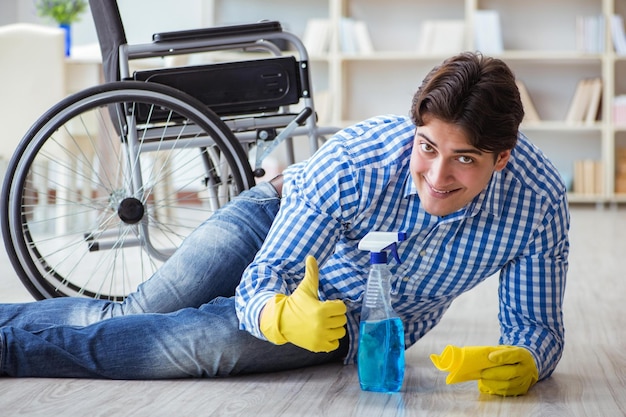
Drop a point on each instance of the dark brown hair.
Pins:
(478, 94)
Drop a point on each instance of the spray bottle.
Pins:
(380, 357)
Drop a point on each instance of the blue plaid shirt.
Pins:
(359, 181)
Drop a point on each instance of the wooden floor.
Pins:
(589, 381)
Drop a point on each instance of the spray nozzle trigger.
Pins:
(393, 248)
(378, 243)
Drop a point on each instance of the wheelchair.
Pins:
(108, 182)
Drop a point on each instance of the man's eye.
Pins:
(465, 159)
(426, 147)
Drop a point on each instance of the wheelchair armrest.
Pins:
(218, 32)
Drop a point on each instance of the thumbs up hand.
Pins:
(302, 319)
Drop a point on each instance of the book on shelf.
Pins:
(488, 32)
(620, 184)
(619, 110)
(590, 34)
(593, 107)
(585, 104)
(354, 36)
(442, 37)
(362, 37)
(588, 177)
(598, 180)
(620, 160)
(618, 34)
(576, 110)
(620, 170)
(316, 37)
(530, 112)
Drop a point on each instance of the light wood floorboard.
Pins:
(589, 381)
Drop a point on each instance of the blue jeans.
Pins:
(179, 323)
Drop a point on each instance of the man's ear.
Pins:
(502, 159)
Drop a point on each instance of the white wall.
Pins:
(141, 17)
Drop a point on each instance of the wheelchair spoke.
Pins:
(68, 232)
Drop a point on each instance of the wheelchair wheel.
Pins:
(107, 183)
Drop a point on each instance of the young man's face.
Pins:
(447, 171)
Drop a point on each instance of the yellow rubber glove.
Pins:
(302, 319)
(463, 363)
(500, 370)
(514, 374)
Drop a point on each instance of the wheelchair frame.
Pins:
(105, 225)
(261, 36)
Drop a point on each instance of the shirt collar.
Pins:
(490, 199)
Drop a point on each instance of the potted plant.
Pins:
(64, 13)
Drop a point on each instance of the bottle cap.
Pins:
(378, 257)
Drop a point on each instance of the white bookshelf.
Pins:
(539, 41)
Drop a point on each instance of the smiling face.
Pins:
(447, 171)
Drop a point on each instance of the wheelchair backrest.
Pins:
(231, 88)
(111, 34)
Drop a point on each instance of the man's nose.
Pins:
(440, 172)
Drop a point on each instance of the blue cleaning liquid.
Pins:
(381, 355)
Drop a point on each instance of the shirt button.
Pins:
(405, 279)
(423, 253)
